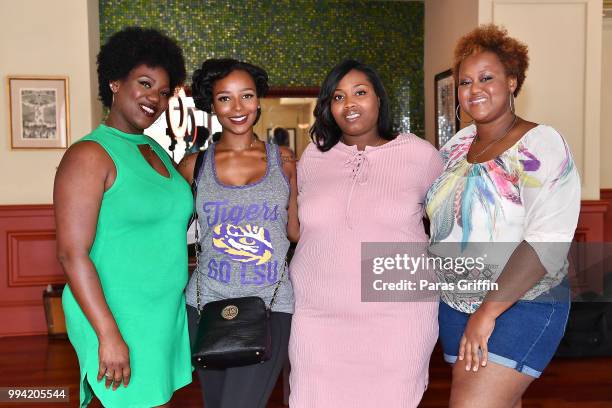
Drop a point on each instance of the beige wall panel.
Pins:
(43, 38)
(445, 22)
(606, 105)
(562, 85)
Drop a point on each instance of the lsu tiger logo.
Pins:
(248, 243)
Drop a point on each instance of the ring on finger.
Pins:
(108, 375)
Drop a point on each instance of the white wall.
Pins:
(563, 82)
(59, 37)
(606, 105)
(445, 22)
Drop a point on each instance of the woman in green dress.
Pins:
(121, 210)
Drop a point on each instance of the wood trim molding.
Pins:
(19, 207)
(293, 92)
(282, 91)
(21, 303)
(593, 206)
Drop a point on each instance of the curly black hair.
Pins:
(325, 132)
(213, 70)
(133, 46)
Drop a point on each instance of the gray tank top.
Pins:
(243, 235)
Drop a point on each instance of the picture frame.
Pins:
(446, 102)
(291, 131)
(39, 112)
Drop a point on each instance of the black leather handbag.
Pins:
(231, 332)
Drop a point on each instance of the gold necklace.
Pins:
(508, 129)
(241, 149)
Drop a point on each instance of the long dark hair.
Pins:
(325, 132)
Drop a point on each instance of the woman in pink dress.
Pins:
(358, 182)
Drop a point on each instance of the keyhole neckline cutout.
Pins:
(139, 139)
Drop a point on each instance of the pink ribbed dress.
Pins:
(346, 353)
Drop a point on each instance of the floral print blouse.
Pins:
(530, 192)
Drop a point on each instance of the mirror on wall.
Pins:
(290, 113)
(290, 108)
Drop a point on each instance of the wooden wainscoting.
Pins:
(28, 263)
(27, 248)
(588, 266)
(606, 195)
(591, 224)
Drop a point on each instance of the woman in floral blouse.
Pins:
(510, 191)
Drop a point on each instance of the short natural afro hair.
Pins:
(213, 70)
(134, 46)
(511, 53)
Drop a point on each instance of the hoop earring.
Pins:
(512, 102)
(459, 117)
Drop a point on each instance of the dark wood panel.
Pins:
(31, 258)
(588, 266)
(28, 265)
(606, 195)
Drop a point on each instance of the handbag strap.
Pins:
(280, 280)
(197, 170)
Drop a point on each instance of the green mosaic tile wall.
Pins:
(297, 41)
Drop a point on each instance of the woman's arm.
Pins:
(186, 166)
(84, 173)
(293, 224)
(550, 194)
(522, 271)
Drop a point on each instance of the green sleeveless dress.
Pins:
(140, 253)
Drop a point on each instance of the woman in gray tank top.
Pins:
(246, 202)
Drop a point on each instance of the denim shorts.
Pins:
(525, 337)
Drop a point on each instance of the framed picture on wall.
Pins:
(39, 112)
(290, 131)
(447, 123)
